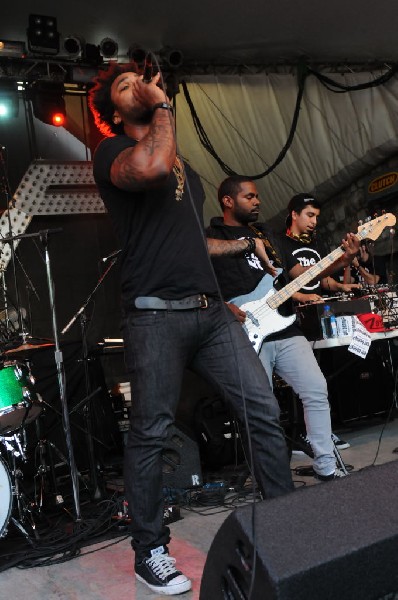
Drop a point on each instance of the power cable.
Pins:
(206, 143)
(330, 83)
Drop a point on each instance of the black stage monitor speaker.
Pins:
(331, 541)
(181, 462)
(358, 387)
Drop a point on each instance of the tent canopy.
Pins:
(240, 62)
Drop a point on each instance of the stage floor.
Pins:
(104, 571)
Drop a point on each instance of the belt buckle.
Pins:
(203, 298)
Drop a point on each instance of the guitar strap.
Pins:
(286, 309)
(272, 253)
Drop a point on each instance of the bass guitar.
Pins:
(261, 305)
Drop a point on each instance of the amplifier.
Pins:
(309, 315)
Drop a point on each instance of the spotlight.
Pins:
(108, 48)
(48, 102)
(42, 34)
(73, 45)
(171, 57)
(91, 54)
(137, 54)
(9, 101)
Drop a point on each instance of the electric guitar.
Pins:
(260, 305)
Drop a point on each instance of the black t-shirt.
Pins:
(295, 252)
(236, 275)
(239, 275)
(375, 264)
(164, 253)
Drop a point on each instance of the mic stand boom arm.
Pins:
(95, 488)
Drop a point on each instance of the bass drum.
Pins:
(5, 498)
(19, 404)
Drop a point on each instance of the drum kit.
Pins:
(20, 405)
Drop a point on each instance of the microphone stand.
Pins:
(61, 377)
(96, 490)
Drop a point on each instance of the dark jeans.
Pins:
(159, 345)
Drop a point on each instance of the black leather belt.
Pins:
(154, 303)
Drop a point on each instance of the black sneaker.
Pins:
(301, 446)
(336, 475)
(160, 575)
(339, 443)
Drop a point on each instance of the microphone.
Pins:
(148, 71)
(111, 255)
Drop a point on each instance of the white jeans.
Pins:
(294, 361)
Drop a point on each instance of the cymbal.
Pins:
(27, 348)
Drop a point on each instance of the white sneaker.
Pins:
(158, 572)
(339, 443)
(336, 475)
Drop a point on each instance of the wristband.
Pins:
(251, 246)
(162, 105)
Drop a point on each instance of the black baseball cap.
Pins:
(298, 202)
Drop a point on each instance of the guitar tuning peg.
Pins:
(360, 222)
(368, 219)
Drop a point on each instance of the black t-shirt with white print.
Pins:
(294, 251)
(240, 275)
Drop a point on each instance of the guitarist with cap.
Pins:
(287, 351)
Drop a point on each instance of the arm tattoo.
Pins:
(226, 247)
(151, 160)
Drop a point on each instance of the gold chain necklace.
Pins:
(178, 170)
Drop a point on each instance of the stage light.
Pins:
(137, 54)
(108, 48)
(58, 119)
(9, 101)
(42, 34)
(91, 54)
(48, 102)
(171, 57)
(73, 45)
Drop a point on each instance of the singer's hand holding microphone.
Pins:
(148, 90)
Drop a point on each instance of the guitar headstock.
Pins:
(372, 229)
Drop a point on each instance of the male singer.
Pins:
(172, 314)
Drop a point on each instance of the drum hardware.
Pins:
(14, 446)
(44, 450)
(11, 495)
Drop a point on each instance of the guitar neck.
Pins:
(294, 286)
(371, 229)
